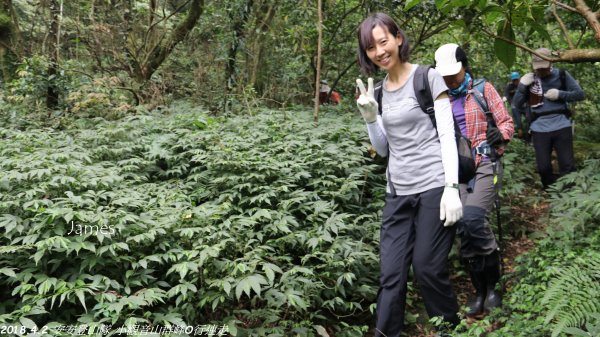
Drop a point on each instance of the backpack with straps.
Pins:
(466, 160)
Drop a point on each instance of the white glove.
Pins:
(527, 79)
(366, 103)
(450, 207)
(552, 94)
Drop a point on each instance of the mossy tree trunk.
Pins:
(9, 40)
(159, 53)
(239, 20)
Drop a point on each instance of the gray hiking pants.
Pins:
(476, 236)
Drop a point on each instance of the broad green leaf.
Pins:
(232, 327)
(28, 323)
(460, 3)
(540, 29)
(253, 282)
(410, 4)
(227, 287)
(321, 331)
(8, 272)
(491, 14)
(505, 51)
(439, 4)
(79, 293)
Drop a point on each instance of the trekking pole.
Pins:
(497, 206)
(478, 95)
(494, 158)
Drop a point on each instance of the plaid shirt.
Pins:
(477, 122)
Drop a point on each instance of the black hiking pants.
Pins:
(413, 234)
(562, 142)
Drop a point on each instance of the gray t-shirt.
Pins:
(415, 157)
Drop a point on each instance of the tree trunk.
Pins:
(162, 51)
(9, 40)
(318, 77)
(53, 53)
(239, 28)
(268, 8)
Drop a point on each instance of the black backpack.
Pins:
(466, 160)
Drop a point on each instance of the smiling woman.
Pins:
(422, 177)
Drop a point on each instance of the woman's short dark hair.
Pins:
(461, 56)
(365, 39)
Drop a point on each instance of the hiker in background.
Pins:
(422, 201)
(547, 92)
(325, 97)
(478, 247)
(517, 111)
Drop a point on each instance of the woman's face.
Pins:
(454, 81)
(385, 49)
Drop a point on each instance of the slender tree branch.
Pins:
(165, 18)
(443, 26)
(10, 48)
(563, 28)
(421, 33)
(136, 95)
(340, 75)
(571, 55)
(518, 45)
(339, 24)
(581, 35)
(565, 6)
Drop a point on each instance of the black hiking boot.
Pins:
(476, 304)
(477, 272)
(492, 275)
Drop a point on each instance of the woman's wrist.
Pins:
(451, 185)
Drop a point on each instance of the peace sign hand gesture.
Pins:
(366, 103)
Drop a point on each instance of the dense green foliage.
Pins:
(265, 223)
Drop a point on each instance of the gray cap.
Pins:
(538, 62)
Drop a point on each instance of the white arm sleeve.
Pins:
(445, 128)
(378, 136)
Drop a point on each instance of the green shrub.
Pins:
(262, 223)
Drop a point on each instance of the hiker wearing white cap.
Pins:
(546, 92)
(482, 117)
(422, 201)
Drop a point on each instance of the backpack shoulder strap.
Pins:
(563, 84)
(478, 93)
(423, 91)
(378, 92)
